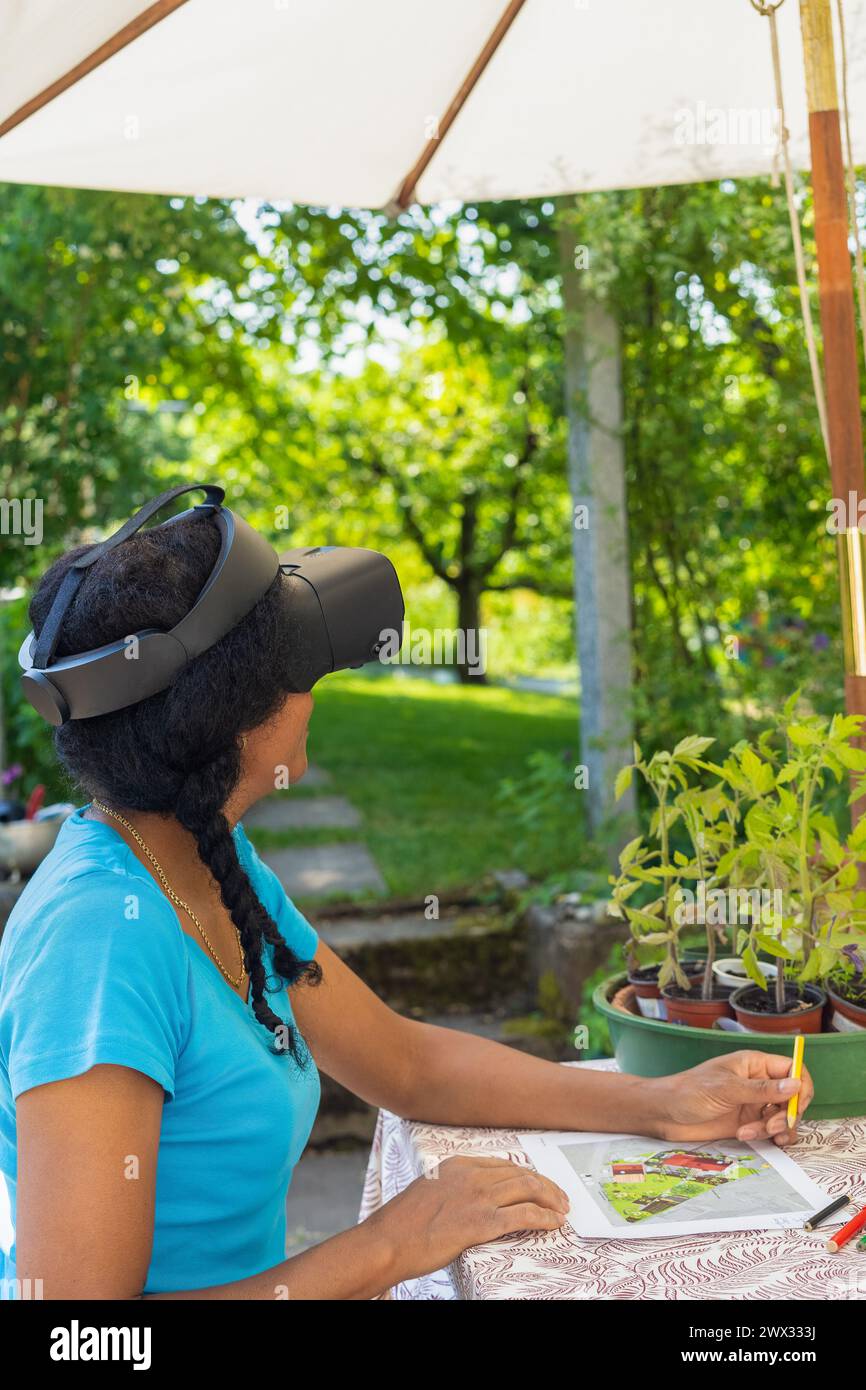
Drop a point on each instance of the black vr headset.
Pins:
(344, 601)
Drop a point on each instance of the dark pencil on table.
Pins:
(825, 1212)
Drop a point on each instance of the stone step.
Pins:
(323, 871)
(325, 1196)
(283, 812)
(473, 957)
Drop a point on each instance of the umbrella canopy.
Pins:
(339, 102)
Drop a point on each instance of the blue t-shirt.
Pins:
(95, 968)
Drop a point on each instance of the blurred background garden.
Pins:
(354, 379)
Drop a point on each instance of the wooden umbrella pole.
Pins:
(841, 370)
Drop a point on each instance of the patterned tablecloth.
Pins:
(561, 1265)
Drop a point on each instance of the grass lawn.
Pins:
(422, 762)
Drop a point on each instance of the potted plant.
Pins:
(846, 988)
(791, 852)
(748, 850)
(730, 972)
(660, 887)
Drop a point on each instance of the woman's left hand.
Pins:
(744, 1094)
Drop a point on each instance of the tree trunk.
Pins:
(602, 583)
(469, 633)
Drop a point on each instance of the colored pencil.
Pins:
(796, 1071)
(842, 1237)
(826, 1212)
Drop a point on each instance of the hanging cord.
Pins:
(860, 277)
(769, 10)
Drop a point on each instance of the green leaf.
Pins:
(623, 782)
(834, 765)
(628, 853)
(802, 735)
(623, 891)
(692, 746)
(753, 970)
(672, 813)
(644, 919)
(681, 977)
(759, 827)
(788, 802)
(788, 772)
(711, 767)
(758, 773)
(840, 902)
(667, 972)
(845, 726)
(734, 777)
(831, 849)
(847, 876)
(858, 792)
(772, 947)
(852, 758)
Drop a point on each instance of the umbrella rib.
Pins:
(131, 31)
(506, 19)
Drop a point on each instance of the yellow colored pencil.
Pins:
(796, 1071)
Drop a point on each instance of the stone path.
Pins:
(316, 871)
(324, 1197)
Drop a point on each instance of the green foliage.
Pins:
(599, 1040)
(113, 305)
(765, 850)
(545, 813)
(734, 576)
(662, 873)
(423, 762)
(377, 375)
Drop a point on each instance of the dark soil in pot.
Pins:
(687, 1006)
(755, 1008)
(646, 986)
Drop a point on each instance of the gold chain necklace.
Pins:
(234, 981)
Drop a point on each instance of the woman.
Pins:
(164, 1008)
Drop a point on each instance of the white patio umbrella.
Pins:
(376, 103)
(337, 101)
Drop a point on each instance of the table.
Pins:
(561, 1265)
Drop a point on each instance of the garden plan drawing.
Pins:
(632, 1187)
(652, 1183)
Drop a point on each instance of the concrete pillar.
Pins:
(602, 584)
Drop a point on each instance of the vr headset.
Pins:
(343, 599)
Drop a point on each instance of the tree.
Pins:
(457, 452)
(112, 306)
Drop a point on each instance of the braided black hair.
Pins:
(178, 752)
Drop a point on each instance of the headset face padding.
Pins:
(340, 600)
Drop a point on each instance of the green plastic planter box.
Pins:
(647, 1047)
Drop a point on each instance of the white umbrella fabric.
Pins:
(336, 101)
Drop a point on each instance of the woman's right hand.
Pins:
(465, 1201)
